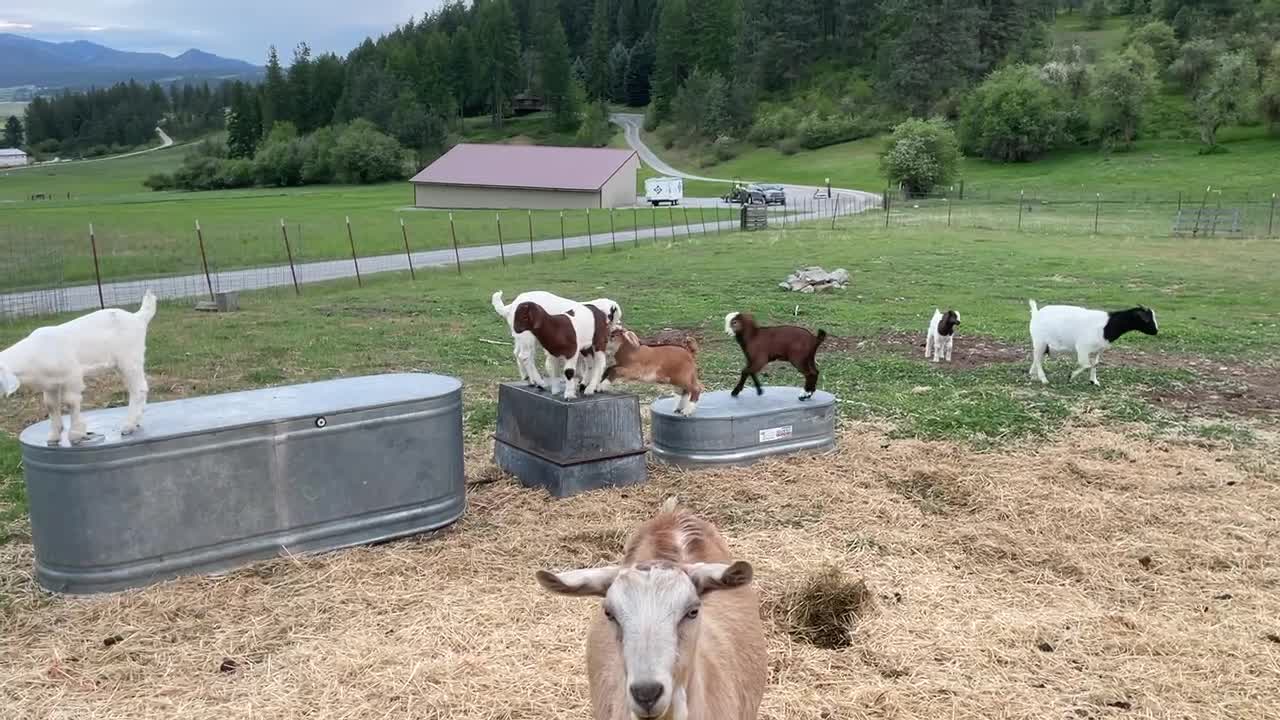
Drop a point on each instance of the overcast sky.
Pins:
(233, 28)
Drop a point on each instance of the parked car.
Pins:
(748, 194)
(774, 194)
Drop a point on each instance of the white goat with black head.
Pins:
(942, 332)
(1068, 328)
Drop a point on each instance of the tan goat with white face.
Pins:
(678, 636)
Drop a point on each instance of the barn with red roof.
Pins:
(536, 177)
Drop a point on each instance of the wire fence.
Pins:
(43, 271)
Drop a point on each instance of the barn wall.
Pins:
(454, 196)
(620, 190)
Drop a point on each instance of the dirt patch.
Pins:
(1032, 603)
(823, 610)
(673, 336)
(1221, 387)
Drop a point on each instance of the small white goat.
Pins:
(942, 331)
(678, 635)
(56, 360)
(1067, 328)
(526, 344)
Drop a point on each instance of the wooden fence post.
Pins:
(288, 249)
(204, 260)
(354, 260)
(97, 271)
(404, 232)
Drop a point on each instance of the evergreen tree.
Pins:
(244, 128)
(499, 54)
(714, 24)
(556, 68)
(275, 96)
(672, 64)
(619, 58)
(13, 132)
(639, 70)
(597, 80)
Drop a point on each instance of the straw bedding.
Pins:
(1097, 576)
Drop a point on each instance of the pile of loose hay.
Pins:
(1076, 579)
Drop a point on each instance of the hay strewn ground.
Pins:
(1099, 576)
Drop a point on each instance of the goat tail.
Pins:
(498, 305)
(822, 336)
(669, 505)
(147, 309)
(1034, 307)
(691, 345)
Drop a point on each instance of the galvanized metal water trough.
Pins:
(737, 431)
(212, 483)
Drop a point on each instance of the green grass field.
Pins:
(1158, 167)
(1215, 300)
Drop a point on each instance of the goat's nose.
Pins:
(646, 694)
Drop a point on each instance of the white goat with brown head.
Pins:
(678, 636)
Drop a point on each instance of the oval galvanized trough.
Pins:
(212, 483)
(736, 431)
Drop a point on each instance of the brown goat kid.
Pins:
(662, 364)
(763, 345)
(678, 634)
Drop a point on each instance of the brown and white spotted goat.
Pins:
(678, 636)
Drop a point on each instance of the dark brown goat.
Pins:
(763, 345)
(555, 333)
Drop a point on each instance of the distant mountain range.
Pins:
(79, 64)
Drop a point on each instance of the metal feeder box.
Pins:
(737, 431)
(213, 483)
(569, 446)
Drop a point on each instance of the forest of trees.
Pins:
(100, 121)
(717, 74)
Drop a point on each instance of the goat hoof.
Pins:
(759, 391)
(128, 430)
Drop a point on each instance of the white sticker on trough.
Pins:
(778, 433)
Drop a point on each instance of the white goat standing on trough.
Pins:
(678, 635)
(526, 344)
(56, 360)
(1068, 328)
(941, 335)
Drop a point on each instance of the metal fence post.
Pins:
(590, 250)
(97, 271)
(1271, 219)
(653, 217)
(685, 209)
(635, 225)
(563, 254)
(887, 203)
(204, 260)
(702, 220)
(453, 233)
(1021, 197)
(613, 232)
(355, 261)
(288, 249)
(1097, 210)
(948, 212)
(502, 250)
(530, 236)
(404, 232)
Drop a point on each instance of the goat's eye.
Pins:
(692, 613)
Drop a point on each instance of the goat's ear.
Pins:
(579, 583)
(9, 382)
(631, 338)
(707, 577)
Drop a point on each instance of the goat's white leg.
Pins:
(1093, 369)
(53, 403)
(950, 340)
(135, 379)
(554, 376)
(73, 395)
(928, 346)
(686, 405)
(1037, 360)
(595, 371)
(570, 383)
(1082, 363)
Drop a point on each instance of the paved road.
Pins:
(796, 194)
(165, 142)
(85, 297)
